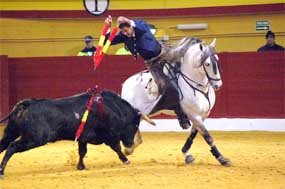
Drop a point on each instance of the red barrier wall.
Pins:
(4, 86)
(254, 83)
(64, 76)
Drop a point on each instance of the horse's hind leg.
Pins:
(16, 146)
(185, 149)
(214, 150)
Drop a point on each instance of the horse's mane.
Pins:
(178, 49)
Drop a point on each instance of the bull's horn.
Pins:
(147, 119)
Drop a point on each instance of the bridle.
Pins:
(209, 53)
(212, 54)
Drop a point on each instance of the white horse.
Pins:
(197, 79)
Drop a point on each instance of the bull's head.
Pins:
(130, 131)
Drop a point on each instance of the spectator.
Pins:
(270, 43)
(89, 48)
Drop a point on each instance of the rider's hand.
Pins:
(108, 20)
(122, 19)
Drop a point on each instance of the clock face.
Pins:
(96, 7)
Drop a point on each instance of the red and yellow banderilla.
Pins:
(94, 94)
(100, 44)
(102, 50)
(84, 118)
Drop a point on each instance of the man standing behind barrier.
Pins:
(137, 37)
(270, 43)
(89, 48)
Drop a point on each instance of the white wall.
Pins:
(222, 124)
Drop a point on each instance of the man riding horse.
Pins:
(139, 40)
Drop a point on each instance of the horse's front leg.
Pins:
(214, 150)
(185, 149)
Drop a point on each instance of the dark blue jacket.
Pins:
(143, 43)
(275, 47)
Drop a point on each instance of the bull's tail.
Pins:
(6, 118)
(11, 130)
(9, 115)
(15, 108)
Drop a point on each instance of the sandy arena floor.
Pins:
(258, 157)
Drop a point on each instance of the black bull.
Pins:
(39, 121)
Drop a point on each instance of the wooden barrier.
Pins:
(254, 83)
(254, 86)
(4, 86)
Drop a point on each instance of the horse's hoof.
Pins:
(189, 159)
(80, 167)
(224, 161)
(126, 162)
(227, 163)
(186, 125)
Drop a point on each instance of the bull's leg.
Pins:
(214, 150)
(117, 148)
(10, 134)
(16, 146)
(185, 149)
(82, 150)
(137, 141)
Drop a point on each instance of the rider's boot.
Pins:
(182, 117)
(163, 83)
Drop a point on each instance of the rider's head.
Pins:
(126, 29)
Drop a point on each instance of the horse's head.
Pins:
(204, 58)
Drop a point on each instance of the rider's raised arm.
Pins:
(138, 24)
(117, 39)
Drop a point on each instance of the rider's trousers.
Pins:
(156, 70)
